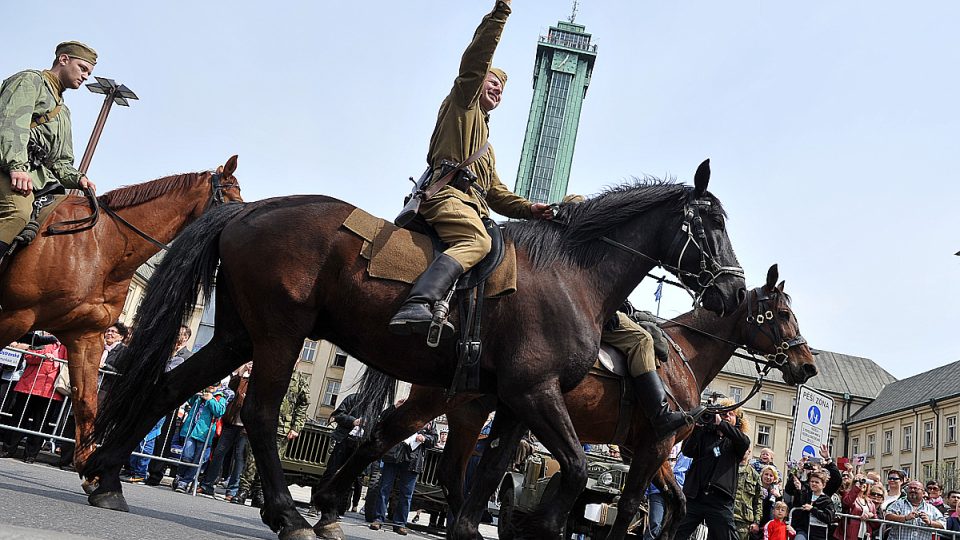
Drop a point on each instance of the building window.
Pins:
(907, 439)
(830, 445)
(309, 351)
(928, 436)
(735, 393)
(906, 470)
(871, 445)
(951, 429)
(763, 435)
(766, 402)
(927, 472)
(793, 408)
(331, 392)
(855, 445)
(339, 358)
(888, 441)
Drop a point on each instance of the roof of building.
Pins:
(838, 374)
(938, 383)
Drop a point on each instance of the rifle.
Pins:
(423, 189)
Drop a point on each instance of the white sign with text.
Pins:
(811, 426)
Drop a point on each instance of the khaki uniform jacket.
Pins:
(22, 97)
(462, 126)
(293, 408)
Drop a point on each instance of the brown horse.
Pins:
(74, 285)
(707, 342)
(288, 271)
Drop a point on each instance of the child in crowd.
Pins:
(198, 427)
(777, 528)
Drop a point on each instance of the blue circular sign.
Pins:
(808, 451)
(813, 414)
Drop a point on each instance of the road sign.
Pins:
(811, 426)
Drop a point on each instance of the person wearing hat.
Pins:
(455, 211)
(36, 142)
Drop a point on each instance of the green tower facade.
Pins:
(561, 76)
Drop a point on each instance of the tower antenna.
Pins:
(573, 14)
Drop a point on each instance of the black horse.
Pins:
(288, 271)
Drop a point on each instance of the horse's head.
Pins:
(224, 186)
(705, 259)
(771, 329)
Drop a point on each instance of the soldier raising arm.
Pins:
(455, 211)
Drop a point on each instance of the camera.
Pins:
(870, 482)
(808, 466)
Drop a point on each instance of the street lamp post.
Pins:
(114, 93)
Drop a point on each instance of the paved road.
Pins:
(39, 501)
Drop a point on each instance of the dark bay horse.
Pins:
(74, 285)
(594, 405)
(289, 271)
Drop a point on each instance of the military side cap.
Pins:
(500, 74)
(75, 49)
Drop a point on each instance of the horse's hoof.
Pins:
(330, 531)
(111, 500)
(297, 534)
(89, 486)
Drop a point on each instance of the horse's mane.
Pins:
(125, 196)
(572, 241)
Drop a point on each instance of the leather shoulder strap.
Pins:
(438, 185)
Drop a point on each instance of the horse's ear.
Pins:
(773, 274)
(781, 285)
(701, 179)
(230, 167)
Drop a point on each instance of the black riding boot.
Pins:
(415, 315)
(653, 398)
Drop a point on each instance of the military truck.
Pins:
(593, 512)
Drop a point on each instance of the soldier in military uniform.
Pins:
(627, 335)
(293, 415)
(36, 142)
(455, 211)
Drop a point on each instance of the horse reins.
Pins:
(758, 324)
(216, 198)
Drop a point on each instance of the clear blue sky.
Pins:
(832, 127)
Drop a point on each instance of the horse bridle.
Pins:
(766, 304)
(691, 232)
(217, 187)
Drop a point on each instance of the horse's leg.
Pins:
(643, 467)
(466, 422)
(504, 436)
(274, 355)
(206, 367)
(674, 503)
(543, 410)
(422, 406)
(83, 358)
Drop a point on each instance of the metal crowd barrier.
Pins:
(826, 528)
(57, 414)
(889, 529)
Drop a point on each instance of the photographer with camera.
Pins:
(716, 446)
(857, 501)
(811, 488)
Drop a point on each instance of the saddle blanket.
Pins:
(402, 255)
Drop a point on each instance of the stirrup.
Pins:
(440, 327)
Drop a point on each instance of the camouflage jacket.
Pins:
(293, 408)
(462, 126)
(23, 96)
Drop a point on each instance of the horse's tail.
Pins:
(375, 390)
(171, 296)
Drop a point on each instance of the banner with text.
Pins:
(811, 426)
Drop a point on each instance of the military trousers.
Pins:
(634, 342)
(459, 226)
(250, 480)
(15, 209)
